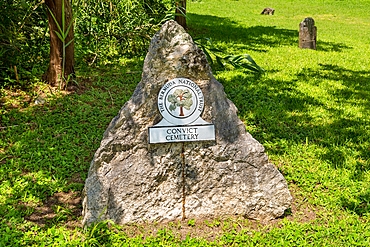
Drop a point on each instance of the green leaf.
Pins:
(69, 27)
(237, 61)
(243, 61)
(69, 42)
(209, 58)
(59, 35)
(172, 107)
(63, 19)
(219, 62)
(188, 102)
(213, 49)
(177, 92)
(56, 22)
(172, 98)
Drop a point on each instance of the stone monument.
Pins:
(268, 11)
(307, 34)
(177, 148)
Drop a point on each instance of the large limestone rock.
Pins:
(131, 181)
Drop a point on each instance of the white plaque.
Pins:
(181, 102)
(188, 133)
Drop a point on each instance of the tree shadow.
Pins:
(281, 114)
(356, 82)
(46, 149)
(356, 92)
(331, 46)
(360, 205)
(255, 38)
(279, 99)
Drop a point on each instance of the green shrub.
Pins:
(23, 41)
(106, 30)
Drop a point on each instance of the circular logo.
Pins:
(180, 101)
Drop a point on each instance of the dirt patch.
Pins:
(38, 94)
(301, 210)
(61, 207)
(211, 229)
(76, 178)
(66, 208)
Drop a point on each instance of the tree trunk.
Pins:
(180, 16)
(181, 111)
(61, 66)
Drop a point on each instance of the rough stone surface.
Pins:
(307, 34)
(132, 181)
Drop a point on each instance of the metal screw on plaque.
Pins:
(307, 34)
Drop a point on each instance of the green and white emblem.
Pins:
(181, 102)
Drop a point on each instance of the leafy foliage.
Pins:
(237, 61)
(23, 41)
(107, 30)
(181, 98)
(104, 32)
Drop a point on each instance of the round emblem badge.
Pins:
(180, 101)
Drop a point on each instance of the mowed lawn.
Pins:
(310, 109)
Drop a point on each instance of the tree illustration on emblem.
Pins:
(180, 98)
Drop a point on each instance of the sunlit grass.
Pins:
(311, 108)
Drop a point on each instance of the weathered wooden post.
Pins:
(307, 34)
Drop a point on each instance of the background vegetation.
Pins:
(310, 109)
(104, 31)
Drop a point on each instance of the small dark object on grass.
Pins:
(268, 11)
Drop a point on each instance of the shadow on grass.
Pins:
(356, 82)
(254, 38)
(280, 111)
(281, 116)
(46, 150)
(360, 205)
(331, 46)
(355, 92)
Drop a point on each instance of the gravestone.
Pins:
(268, 11)
(307, 34)
(177, 148)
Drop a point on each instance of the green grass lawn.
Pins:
(310, 110)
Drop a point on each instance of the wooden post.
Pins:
(307, 34)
